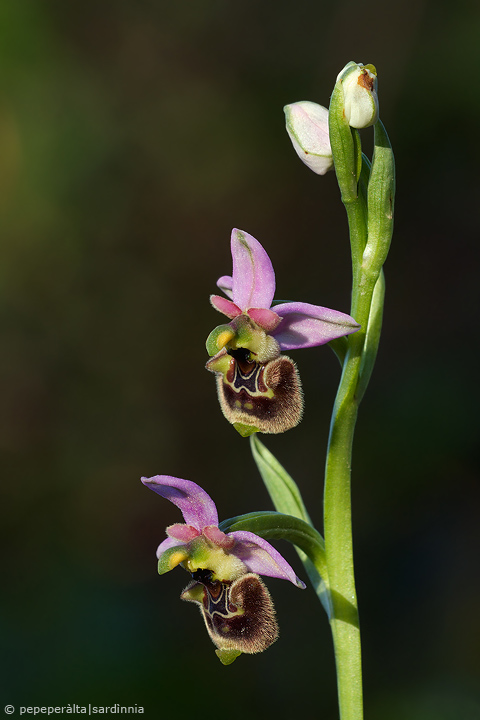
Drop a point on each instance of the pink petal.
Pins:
(227, 307)
(182, 532)
(198, 508)
(261, 558)
(217, 537)
(267, 319)
(253, 275)
(304, 325)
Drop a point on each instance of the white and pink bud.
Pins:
(307, 126)
(359, 83)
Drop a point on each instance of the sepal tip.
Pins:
(245, 430)
(227, 657)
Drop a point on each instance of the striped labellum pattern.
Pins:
(239, 615)
(261, 397)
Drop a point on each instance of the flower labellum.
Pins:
(257, 396)
(359, 83)
(239, 615)
(307, 127)
(259, 389)
(235, 604)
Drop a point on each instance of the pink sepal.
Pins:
(253, 278)
(197, 507)
(261, 558)
(304, 325)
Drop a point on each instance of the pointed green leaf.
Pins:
(308, 542)
(287, 499)
(278, 526)
(281, 487)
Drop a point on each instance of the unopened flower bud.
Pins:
(359, 84)
(307, 126)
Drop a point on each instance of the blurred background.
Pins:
(134, 134)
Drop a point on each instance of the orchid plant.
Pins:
(259, 391)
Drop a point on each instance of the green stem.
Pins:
(338, 539)
(368, 195)
(348, 160)
(344, 620)
(337, 497)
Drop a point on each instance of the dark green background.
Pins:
(134, 135)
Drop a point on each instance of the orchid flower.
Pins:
(258, 388)
(235, 604)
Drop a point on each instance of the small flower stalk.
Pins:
(359, 84)
(235, 604)
(259, 389)
(307, 127)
